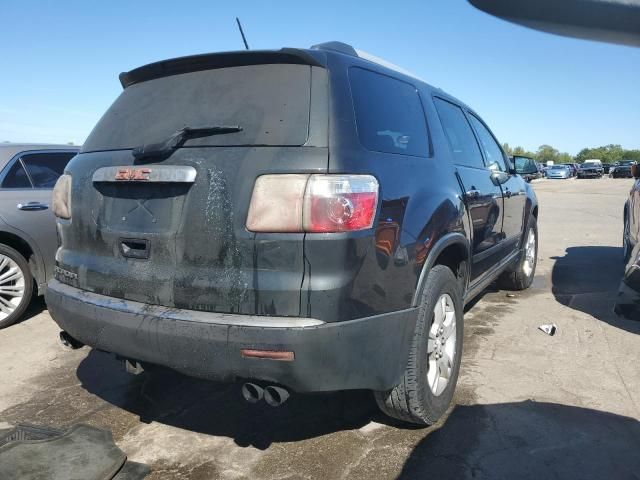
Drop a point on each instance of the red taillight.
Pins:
(331, 203)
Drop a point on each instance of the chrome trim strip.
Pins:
(143, 309)
(156, 173)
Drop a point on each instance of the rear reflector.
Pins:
(313, 203)
(276, 203)
(268, 354)
(61, 197)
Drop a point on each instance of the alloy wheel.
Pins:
(529, 253)
(11, 286)
(441, 345)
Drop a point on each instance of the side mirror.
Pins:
(525, 166)
(635, 171)
(614, 21)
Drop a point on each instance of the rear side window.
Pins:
(459, 134)
(16, 177)
(492, 151)
(389, 115)
(45, 168)
(270, 102)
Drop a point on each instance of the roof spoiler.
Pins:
(209, 61)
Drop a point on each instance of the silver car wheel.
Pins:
(11, 286)
(441, 345)
(529, 253)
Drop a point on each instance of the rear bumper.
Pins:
(368, 353)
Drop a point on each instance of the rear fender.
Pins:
(445, 241)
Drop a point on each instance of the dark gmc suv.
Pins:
(297, 220)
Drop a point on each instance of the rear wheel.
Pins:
(626, 248)
(16, 285)
(427, 386)
(521, 277)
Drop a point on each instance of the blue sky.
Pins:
(61, 60)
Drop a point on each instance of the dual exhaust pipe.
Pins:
(252, 393)
(274, 396)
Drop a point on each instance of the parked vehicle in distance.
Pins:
(559, 172)
(233, 246)
(607, 168)
(591, 169)
(28, 239)
(572, 168)
(623, 169)
(628, 301)
(527, 167)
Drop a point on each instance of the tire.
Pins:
(626, 248)
(17, 280)
(413, 400)
(521, 277)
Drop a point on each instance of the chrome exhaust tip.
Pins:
(252, 393)
(275, 396)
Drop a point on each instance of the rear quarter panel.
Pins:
(376, 271)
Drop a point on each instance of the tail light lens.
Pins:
(61, 200)
(313, 203)
(340, 203)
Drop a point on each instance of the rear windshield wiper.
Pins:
(175, 141)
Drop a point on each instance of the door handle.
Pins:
(32, 206)
(472, 194)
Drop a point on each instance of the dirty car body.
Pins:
(628, 301)
(162, 267)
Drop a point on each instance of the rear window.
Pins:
(389, 115)
(270, 103)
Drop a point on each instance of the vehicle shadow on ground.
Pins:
(164, 396)
(528, 440)
(36, 307)
(587, 279)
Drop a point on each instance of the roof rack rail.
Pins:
(336, 47)
(347, 49)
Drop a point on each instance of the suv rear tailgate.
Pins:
(184, 244)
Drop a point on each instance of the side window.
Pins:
(389, 114)
(492, 151)
(45, 168)
(458, 131)
(16, 177)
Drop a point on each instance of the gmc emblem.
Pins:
(133, 174)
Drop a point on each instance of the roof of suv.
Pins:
(314, 56)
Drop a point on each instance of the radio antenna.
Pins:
(244, 39)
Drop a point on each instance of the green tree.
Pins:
(607, 153)
(546, 153)
(632, 155)
(522, 152)
(507, 149)
(564, 157)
